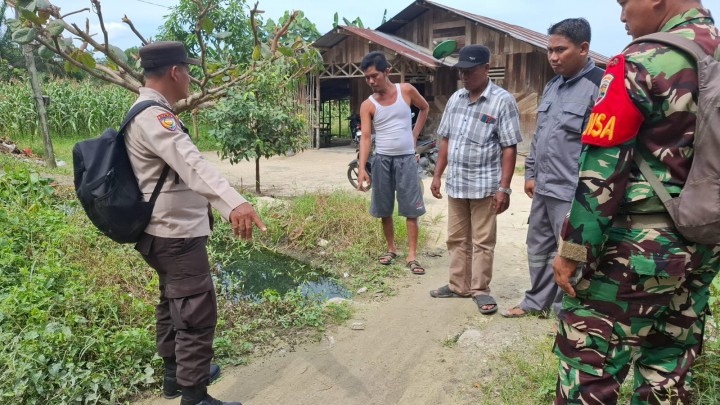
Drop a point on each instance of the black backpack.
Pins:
(106, 185)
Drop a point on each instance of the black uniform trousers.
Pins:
(187, 312)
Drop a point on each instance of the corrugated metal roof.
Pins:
(400, 46)
(408, 14)
(383, 34)
(330, 39)
(523, 34)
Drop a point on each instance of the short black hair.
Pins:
(376, 59)
(158, 71)
(577, 30)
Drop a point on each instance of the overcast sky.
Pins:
(608, 33)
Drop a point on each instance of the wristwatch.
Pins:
(507, 191)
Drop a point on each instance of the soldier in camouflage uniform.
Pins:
(643, 292)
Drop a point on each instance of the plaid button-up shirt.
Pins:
(476, 134)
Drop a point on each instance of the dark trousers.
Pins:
(187, 312)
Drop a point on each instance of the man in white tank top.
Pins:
(394, 167)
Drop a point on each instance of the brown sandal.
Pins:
(387, 258)
(415, 267)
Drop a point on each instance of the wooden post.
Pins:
(196, 130)
(339, 108)
(257, 169)
(317, 113)
(39, 103)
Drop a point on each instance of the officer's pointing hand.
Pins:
(242, 218)
(564, 269)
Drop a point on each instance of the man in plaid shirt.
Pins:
(479, 131)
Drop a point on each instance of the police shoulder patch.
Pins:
(168, 121)
(614, 119)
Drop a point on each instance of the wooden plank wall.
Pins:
(351, 49)
(526, 67)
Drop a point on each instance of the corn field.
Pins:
(76, 109)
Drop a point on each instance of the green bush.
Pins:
(77, 310)
(67, 340)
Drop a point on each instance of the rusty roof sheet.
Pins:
(523, 34)
(383, 34)
(402, 47)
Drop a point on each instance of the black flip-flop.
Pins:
(445, 292)
(483, 300)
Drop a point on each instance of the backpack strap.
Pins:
(161, 181)
(666, 38)
(651, 177)
(692, 49)
(134, 111)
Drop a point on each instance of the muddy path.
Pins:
(404, 352)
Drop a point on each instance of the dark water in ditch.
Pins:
(247, 272)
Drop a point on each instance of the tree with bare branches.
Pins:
(44, 25)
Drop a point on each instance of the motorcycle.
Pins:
(426, 152)
(354, 122)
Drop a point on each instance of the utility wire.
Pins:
(154, 4)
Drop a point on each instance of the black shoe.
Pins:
(171, 389)
(209, 401)
(198, 395)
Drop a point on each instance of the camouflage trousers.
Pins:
(643, 303)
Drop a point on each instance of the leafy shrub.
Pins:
(66, 340)
(76, 309)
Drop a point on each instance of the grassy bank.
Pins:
(76, 309)
(354, 239)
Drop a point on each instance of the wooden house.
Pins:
(518, 62)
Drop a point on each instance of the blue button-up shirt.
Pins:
(562, 115)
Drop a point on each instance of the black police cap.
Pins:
(164, 53)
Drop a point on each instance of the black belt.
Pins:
(643, 221)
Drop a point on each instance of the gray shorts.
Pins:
(391, 174)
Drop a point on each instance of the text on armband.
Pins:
(600, 126)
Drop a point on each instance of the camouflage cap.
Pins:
(163, 53)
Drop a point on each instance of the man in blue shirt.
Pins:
(551, 169)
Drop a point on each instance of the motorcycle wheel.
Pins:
(352, 174)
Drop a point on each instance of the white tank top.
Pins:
(393, 127)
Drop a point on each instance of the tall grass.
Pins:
(77, 111)
(76, 108)
(354, 238)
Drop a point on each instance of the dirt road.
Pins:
(402, 356)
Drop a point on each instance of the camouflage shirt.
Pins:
(662, 84)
